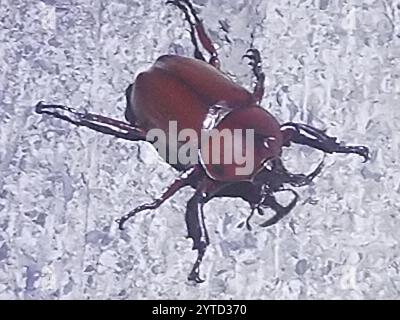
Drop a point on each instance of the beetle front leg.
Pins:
(93, 121)
(315, 138)
(197, 27)
(185, 179)
(197, 231)
(282, 175)
(255, 64)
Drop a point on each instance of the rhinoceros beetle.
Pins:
(194, 92)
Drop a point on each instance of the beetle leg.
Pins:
(310, 136)
(296, 179)
(203, 37)
(197, 27)
(254, 207)
(184, 180)
(281, 211)
(255, 64)
(197, 231)
(197, 52)
(93, 121)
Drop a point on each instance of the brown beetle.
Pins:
(197, 95)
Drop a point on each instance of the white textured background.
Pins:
(61, 187)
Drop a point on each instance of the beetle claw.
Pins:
(246, 56)
(194, 276)
(39, 107)
(60, 111)
(253, 51)
(363, 152)
(253, 54)
(120, 224)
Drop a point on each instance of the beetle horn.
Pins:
(280, 210)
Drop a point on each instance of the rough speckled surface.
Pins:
(61, 187)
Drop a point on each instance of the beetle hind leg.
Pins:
(197, 28)
(255, 63)
(197, 231)
(93, 121)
